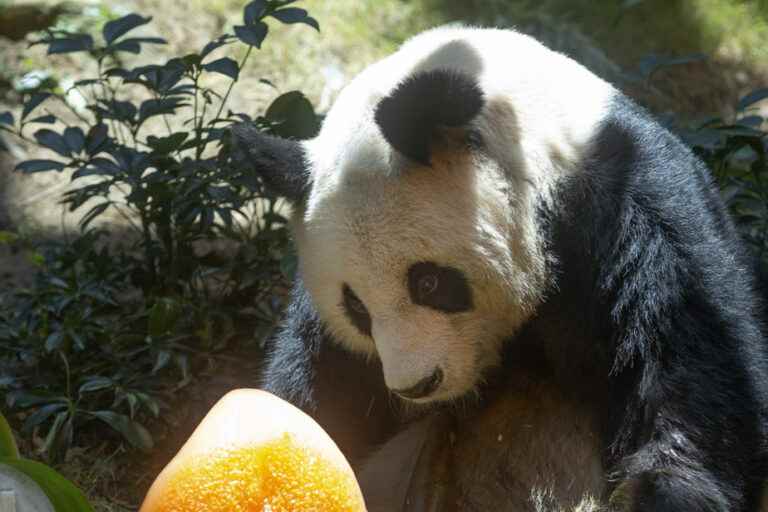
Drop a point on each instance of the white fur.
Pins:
(369, 216)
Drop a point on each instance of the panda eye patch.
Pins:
(356, 310)
(445, 289)
(474, 139)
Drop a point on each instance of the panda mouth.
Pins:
(424, 387)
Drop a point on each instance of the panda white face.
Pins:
(416, 212)
(417, 269)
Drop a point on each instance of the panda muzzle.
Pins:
(424, 387)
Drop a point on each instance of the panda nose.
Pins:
(424, 387)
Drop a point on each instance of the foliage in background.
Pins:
(736, 150)
(106, 329)
(62, 494)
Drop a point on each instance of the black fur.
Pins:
(411, 115)
(650, 257)
(281, 163)
(451, 294)
(356, 311)
(651, 321)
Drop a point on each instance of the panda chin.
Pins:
(443, 399)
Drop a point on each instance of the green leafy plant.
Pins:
(63, 495)
(104, 331)
(737, 152)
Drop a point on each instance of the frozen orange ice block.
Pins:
(256, 453)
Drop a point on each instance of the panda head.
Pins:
(415, 217)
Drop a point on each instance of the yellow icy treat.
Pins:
(256, 453)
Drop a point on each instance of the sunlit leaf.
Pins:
(8, 448)
(63, 495)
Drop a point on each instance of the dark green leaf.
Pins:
(225, 66)
(290, 14)
(254, 11)
(154, 107)
(54, 341)
(34, 100)
(8, 448)
(41, 415)
(161, 361)
(163, 317)
(52, 140)
(192, 60)
(64, 496)
(167, 144)
(6, 118)
(95, 384)
(752, 98)
(133, 44)
(96, 138)
(105, 166)
(132, 431)
(93, 213)
(218, 42)
(52, 438)
(296, 15)
(30, 166)
(76, 43)
(252, 34)
(126, 46)
(87, 81)
(149, 403)
(74, 138)
(293, 116)
(751, 121)
(22, 399)
(116, 28)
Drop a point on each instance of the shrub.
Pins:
(736, 150)
(76, 347)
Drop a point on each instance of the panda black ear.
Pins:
(281, 163)
(410, 116)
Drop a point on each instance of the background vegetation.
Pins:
(137, 287)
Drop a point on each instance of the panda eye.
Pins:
(357, 306)
(356, 310)
(474, 139)
(444, 289)
(427, 284)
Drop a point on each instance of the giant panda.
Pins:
(516, 291)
